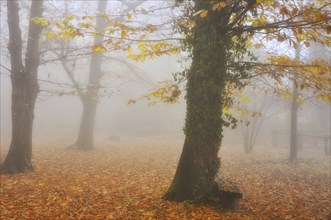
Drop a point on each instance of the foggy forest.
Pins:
(175, 109)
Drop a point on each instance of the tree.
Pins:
(218, 42)
(90, 100)
(253, 113)
(25, 87)
(294, 116)
(68, 53)
(295, 104)
(91, 96)
(199, 163)
(313, 83)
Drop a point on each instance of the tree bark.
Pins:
(199, 163)
(85, 138)
(294, 116)
(247, 134)
(294, 127)
(25, 88)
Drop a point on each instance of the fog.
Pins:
(60, 115)
(57, 115)
(138, 144)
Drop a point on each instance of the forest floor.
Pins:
(127, 179)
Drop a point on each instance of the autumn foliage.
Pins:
(127, 179)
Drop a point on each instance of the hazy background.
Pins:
(60, 115)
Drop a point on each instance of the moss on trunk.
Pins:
(199, 163)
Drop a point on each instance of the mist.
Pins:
(157, 110)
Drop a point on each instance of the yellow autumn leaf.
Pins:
(70, 17)
(287, 95)
(245, 99)
(35, 20)
(226, 110)
(315, 70)
(44, 23)
(115, 23)
(204, 13)
(131, 101)
(143, 37)
(110, 41)
(215, 7)
(299, 100)
(59, 26)
(325, 98)
(124, 34)
(98, 48)
(242, 112)
(152, 103)
(259, 46)
(222, 4)
(248, 43)
(50, 35)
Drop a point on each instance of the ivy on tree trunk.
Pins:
(199, 162)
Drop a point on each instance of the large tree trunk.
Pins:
(90, 99)
(199, 163)
(25, 88)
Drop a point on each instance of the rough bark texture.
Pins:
(199, 163)
(25, 88)
(86, 131)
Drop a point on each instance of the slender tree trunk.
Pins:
(294, 128)
(255, 129)
(246, 133)
(252, 136)
(90, 100)
(199, 163)
(294, 117)
(25, 88)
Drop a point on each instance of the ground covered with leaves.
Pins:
(126, 179)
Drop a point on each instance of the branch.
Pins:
(272, 64)
(241, 15)
(73, 80)
(5, 68)
(56, 83)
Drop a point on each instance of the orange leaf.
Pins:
(283, 11)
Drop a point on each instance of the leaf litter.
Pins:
(127, 179)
